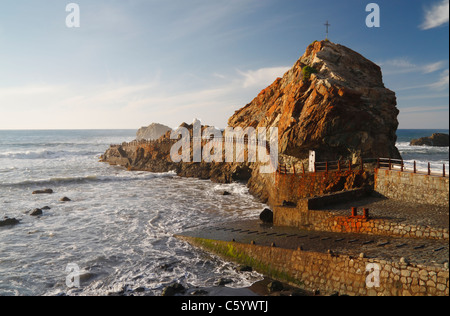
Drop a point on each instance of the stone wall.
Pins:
(304, 218)
(294, 188)
(335, 273)
(411, 187)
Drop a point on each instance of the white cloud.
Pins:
(433, 67)
(436, 15)
(405, 65)
(443, 82)
(262, 77)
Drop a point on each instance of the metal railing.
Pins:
(400, 165)
(363, 165)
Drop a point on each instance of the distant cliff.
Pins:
(332, 101)
(152, 132)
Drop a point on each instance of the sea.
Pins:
(117, 232)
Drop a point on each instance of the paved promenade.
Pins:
(417, 251)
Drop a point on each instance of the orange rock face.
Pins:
(342, 111)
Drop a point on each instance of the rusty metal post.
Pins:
(444, 171)
(285, 169)
(415, 166)
(429, 169)
(378, 163)
(366, 213)
(390, 164)
(354, 211)
(362, 165)
(403, 166)
(293, 166)
(303, 167)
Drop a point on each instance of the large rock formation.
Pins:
(332, 101)
(152, 132)
(436, 140)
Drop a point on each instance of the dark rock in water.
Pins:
(245, 269)
(46, 191)
(36, 212)
(45, 208)
(65, 199)
(266, 216)
(199, 292)
(9, 222)
(436, 140)
(275, 286)
(289, 204)
(173, 289)
(226, 193)
(139, 290)
(223, 282)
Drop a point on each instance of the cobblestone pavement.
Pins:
(417, 251)
(397, 211)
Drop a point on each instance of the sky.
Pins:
(134, 62)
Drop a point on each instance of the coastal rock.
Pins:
(223, 282)
(333, 101)
(266, 216)
(436, 140)
(46, 191)
(6, 221)
(275, 286)
(65, 199)
(341, 110)
(36, 212)
(152, 132)
(173, 289)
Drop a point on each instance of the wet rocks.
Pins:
(266, 216)
(6, 221)
(275, 286)
(245, 269)
(36, 212)
(173, 289)
(65, 199)
(223, 282)
(46, 191)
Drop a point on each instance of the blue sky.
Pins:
(134, 62)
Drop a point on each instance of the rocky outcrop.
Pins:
(155, 157)
(436, 140)
(332, 101)
(152, 132)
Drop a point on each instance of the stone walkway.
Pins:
(397, 211)
(418, 251)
